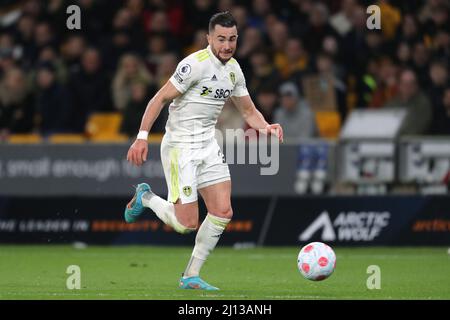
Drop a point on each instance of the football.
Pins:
(316, 261)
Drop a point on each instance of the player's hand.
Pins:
(276, 130)
(138, 151)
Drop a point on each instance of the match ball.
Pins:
(316, 261)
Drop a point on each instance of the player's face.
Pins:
(223, 42)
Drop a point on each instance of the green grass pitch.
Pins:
(148, 272)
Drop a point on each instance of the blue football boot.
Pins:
(135, 208)
(195, 283)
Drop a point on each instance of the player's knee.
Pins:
(188, 224)
(225, 212)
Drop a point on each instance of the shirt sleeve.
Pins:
(240, 88)
(186, 75)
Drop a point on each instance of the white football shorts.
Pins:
(186, 169)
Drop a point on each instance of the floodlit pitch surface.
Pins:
(141, 272)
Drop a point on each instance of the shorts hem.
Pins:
(213, 181)
(184, 201)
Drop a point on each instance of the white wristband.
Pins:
(142, 135)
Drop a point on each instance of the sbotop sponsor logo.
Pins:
(347, 226)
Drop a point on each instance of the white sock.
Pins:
(165, 211)
(206, 240)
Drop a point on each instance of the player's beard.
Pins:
(216, 53)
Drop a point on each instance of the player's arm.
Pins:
(138, 151)
(254, 118)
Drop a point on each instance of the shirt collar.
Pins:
(214, 58)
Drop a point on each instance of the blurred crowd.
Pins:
(52, 78)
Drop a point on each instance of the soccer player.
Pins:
(191, 157)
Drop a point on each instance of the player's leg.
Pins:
(213, 181)
(217, 199)
(182, 217)
(218, 203)
(180, 211)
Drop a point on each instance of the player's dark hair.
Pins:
(224, 19)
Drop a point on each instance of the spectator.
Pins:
(416, 104)
(295, 115)
(174, 22)
(119, 45)
(126, 36)
(375, 44)
(202, 10)
(366, 86)
(441, 44)
(133, 111)
(96, 16)
(55, 13)
(8, 48)
(318, 28)
(403, 55)
(341, 21)
(23, 34)
(159, 23)
(240, 15)
(24, 30)
(165, 69)
(298, 16)
(49, 55)
(391, 18)
(157, 47)
(225, 5)
(52, 102)
(43, 37)
(294, 60)
(200, 42)
(72, 50)
(126, 21)
(130, 69)
(252, 41)
(421, 57)
(7, 61)
(441, 125)
(439, 82)
(330, 46)
(136, 7)
(409, 32)
(326, 71)
(16, 104)
(33, 8)
(438, 20)
(89, 90)
(260, 9)
(386, 87)
(355, 41)
(278, 33)
(267, 101)
(263, 71)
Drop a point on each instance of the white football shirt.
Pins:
(205, 83)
